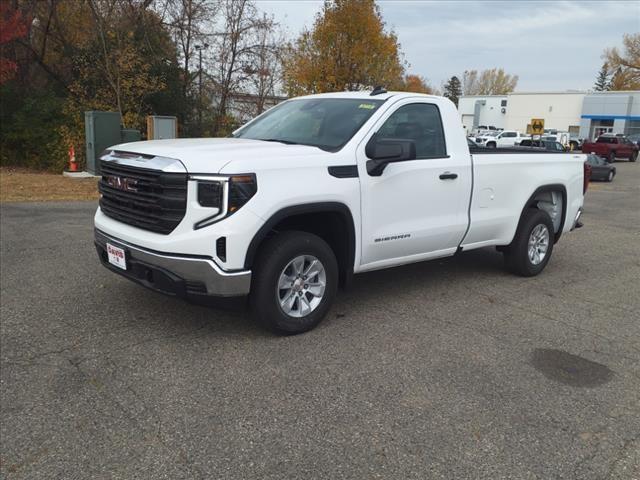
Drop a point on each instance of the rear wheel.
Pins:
(530, 250)
(634, 157)
(294, 282)
(491, 145)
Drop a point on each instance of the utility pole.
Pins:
(199, 48)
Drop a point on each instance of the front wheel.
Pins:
(610, 176)
(634, 157)
(612, 157)
(491, 145)
(530, 250)
(295, 281)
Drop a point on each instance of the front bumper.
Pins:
(180, 275)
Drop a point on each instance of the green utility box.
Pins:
(130, 135)
(102, 129)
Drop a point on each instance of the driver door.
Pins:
(416, 209)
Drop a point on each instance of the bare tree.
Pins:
(119, 59)
(234, 54)
(266, 69)
(625, 65)
(488, 82)
(188, 21)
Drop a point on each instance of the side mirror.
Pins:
(382, 152)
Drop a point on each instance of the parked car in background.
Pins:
(561, 137)
(611, 146)
(635, 138)
(600, 170)
(474, 147)
(482, 130)
(575, 143)
(505, 138)
(548, 145)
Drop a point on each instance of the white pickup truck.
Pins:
(319, 188)
(499, 139)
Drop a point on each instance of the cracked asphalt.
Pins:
(449, 369)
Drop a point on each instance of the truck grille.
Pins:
(147, 199)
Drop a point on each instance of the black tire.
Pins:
(274, 256)
(612, 157)
(491, 145)
(517, 254)
(634, 157)
(610, 176)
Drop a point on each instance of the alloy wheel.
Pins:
(538, 244)
(301, 286)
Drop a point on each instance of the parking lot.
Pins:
(448, 369)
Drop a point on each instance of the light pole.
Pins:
(199, 48)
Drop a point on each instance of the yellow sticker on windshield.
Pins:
(367, 106)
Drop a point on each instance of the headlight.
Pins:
(241, 189)
(227, 194)
(210, 194)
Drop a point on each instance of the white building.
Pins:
(560, 110)
(610, 112)
(483, 110)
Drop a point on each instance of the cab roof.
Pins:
(365, 95)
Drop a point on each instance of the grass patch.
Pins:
(23, 185)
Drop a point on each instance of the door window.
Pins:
(421, 123)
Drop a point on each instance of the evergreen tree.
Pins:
(602, 81)
(453, 89)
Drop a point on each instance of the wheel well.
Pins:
(333, 224)
(553, 200)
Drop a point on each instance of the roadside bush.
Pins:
(29, 129)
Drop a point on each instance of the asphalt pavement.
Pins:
(448, 369)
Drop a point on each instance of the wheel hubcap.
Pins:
(538, 244)
(301, 286)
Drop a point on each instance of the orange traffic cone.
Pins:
(73, 166)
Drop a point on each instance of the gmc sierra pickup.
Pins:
(319, 188)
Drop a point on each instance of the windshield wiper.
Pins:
(286, 142)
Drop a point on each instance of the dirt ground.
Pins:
(23, 185)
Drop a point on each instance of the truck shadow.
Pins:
(485, 262)
(230, 316)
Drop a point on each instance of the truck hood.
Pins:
(211, 155)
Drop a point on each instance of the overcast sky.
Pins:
(550, 45)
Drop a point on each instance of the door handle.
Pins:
(448, 176)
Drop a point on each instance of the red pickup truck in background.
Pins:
(611, 147)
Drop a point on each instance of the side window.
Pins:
(421, 123)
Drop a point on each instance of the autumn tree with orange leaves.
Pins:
(348, 48)
(13, 25)
(417, 84)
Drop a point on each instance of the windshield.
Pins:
(327, 123)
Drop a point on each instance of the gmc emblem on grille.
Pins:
(122, 183)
